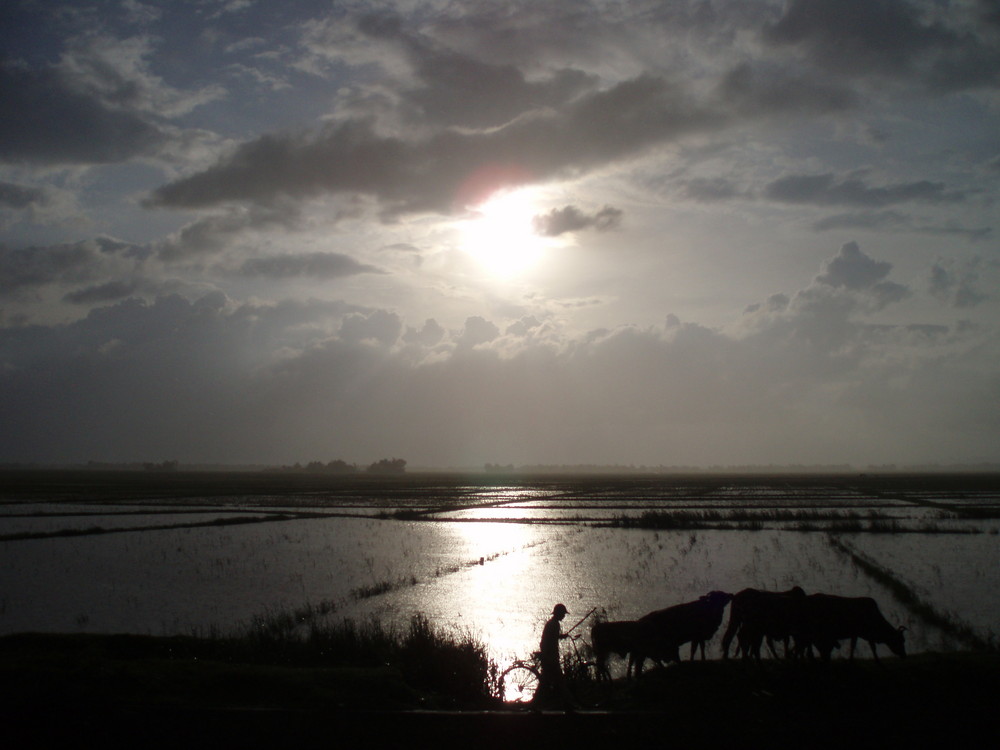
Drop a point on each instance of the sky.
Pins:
(688, 233)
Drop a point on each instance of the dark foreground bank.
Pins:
(143, 727)
(127, 691)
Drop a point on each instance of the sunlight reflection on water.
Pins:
(188, 580)
(624, 574)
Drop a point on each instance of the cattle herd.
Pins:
(799, 623)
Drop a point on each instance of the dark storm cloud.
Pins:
(312, 265)
(857, 34)
(989, 12)
(36, 266)
(957, 287)
(598, 34)
(546, 128)
(571, 219)
(110, 291)
(430, 334)
(890, 38)
(380, 326)
(825, 189)
(211, 234)
(56, 123)
(894, 220)
(478, 330)
(709, 190)
(764, 89)
(20, 196)
(886, 293)
(852, 269)
(71, 263)
(940, 281)
(457, 89)
(828, 190)
(429, 175)
(776, 303)
(864, 220)
(347, 156)
(465, 92)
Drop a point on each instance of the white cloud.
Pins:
(810, 366)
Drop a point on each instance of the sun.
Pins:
(501, 236)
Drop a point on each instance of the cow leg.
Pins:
(727, 637)
(741, 646)
(854, 644)
(801, 647)
(603, 670)
(874, 651)
(826, 648)
(770, 646)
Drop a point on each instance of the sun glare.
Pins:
(501, 236)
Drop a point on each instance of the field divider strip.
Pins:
(240, 520)
(958, 511)
(905, 595)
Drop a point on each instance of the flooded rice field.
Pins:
(217, 553)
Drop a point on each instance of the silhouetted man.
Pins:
(553, 682)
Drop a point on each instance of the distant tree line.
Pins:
(339, 466)
(491, 468)
(388, 466)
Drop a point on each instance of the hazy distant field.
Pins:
(196, 553)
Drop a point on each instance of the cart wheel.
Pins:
(519, 684)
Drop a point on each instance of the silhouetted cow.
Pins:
(662, 632)
(756, 615)
(619, 637)
(827, 619)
